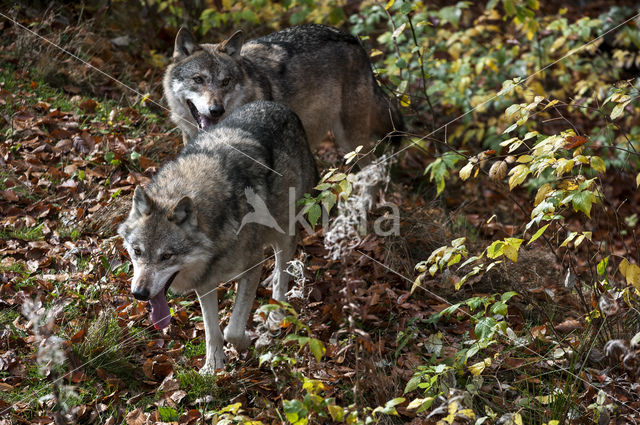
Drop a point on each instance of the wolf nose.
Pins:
(140, 294)
(216, 110)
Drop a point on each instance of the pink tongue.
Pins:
(160, 315)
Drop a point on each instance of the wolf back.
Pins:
(320, 72)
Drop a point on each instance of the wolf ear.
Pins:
(185, 45)
(183, 212)
(141, 202)
(233, 44)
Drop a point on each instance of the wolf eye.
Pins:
(198, 79)
(137, 251)
(166, 256)
(225, 82)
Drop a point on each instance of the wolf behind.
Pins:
(321, 73)
(181, 231)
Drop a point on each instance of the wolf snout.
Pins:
(216, 110)
(140, 294)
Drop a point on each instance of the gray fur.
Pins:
(185, 220)
(320, 72)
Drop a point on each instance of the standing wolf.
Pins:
(320, 72)
(181, 231)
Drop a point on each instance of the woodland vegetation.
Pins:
(510, 295)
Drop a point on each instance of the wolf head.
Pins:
(161, 243)
(205, 78)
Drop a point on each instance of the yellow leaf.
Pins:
(389, 4)
(517, 418)
(638, 180)
(465, 172)
(545, 399)
(598, 164)
(518, 174)
(544, 190)
(511, 252)
(416, 283)
(418, 402)
(571, 236)
(560, 41)
(631, 272)
(467, 413)
(453, 407)
(477, 368)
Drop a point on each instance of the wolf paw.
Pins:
(208, 369)
(211, 365)
(240, 341)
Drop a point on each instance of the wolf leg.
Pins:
(208, 297)
(284, 251)
(235, 332)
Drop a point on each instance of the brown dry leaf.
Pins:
(78, 336)
(88, 105)
(569, 325)
(147, 368)
(5, 387)
(9, 195)
(136, 417)
(190, 417)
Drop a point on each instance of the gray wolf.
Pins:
(181, 231)
(323, 74)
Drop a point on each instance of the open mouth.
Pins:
(203, 121)
(170, 281)
(160, 312)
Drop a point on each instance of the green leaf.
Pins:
(507, 296)
(485, 328)
(317, 348)
(328, 200)
(336, 412)
(500, 308)
(295, 412)
(496, 249)
(583, 201)
(537, 234)
(602, 266)
(337, 177)
(412, 384)
(314, 214)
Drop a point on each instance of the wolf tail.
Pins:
(386, 117)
